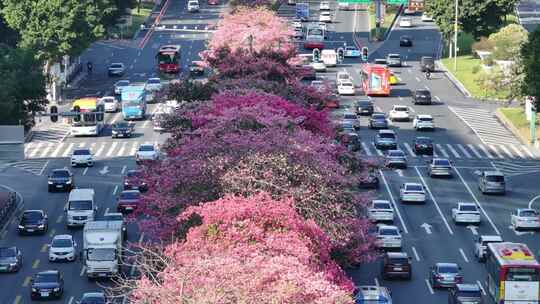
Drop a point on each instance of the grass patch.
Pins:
(391, 11)
(465, 41)
(516, 116)
(138, 16)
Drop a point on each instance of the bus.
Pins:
(415, 6)
(168, 58)
(88, 123)
(375, 80)
(512, 273)
(314, 38)
(134, 102)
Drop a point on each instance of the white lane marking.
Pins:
(417, 79)
(376, 282)
(393, 202)
(111, 150)
(71, 300)
(68, 150)
(83, 269)
(437, 98)
(434, 201)
(474, 151)
(106, 211)
(123, 169)
(481, 287)
(400, 98)
(409, 149)
(527, 151)
(100, 150)
(477, 202)
(441, 149)
(416, 256)
(35, 150)
(463, 255)
(515, 149)
(85, 170)
(122, 149)
(116, 117)
(429, 286)
(133, 149)
(366, 149)
(379, 152)
(82, 145)
(115, 189)
(399, 172)
(426, 87)
(46, 150)
(44, 166)
(494, 149)
(505, 150)
(486, 151)
(464, 151)
(454, 152)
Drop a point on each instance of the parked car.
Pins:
(396, 264)
(119, 85)
(423, 122)
(381, 211)
(405, 22)
(364, 106)
(395, 159)
(346, 88)
(32, 222)
(445, 275)
(128, 201)
(525, 218)
(47, 284)
(82, 157)
(193, 6)
(111, 104)
(405, 41)
(440, 167)
(62, 248)
(153, 84)
(393, 60)
(325, 17)
(491, 182)
(480, 245)
(133, 181)
(146, 152)
(412, 192)
(60, 179)
(11, 259)
(121, 129)
(399, 113)
(466, 213)
(351, 52)
(423, 145)
(427, 63)
(465, 293)
(422, 96)
(93, 298)
(378, 121)
(388, 237)
(116, 69)
(385, 139)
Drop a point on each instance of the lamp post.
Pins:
(455, 37)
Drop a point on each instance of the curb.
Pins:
(511, 127)
(453, 79)
(19, 205)
(389, 30)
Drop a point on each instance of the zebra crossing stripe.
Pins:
(46, 150)
(68, 150)
(494, 149)
(111, 150)
(35, 150)
(517, 151)
(98, 153)
(55, 152)
(133, 149)
(527, 151)
(462, 148)
(474, 151)
(409, 149)
(82, 145)
(366, 149)
(122, 149)
(443, 152)
(93, 147)
(505, 150)
(486, 152)
(453, 151)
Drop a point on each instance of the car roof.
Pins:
(117, 63)
(394, 54)
(446, 265)
(387, 132)
(34, 210)
(424, 116)
(525, 209)
(467, 204)
(413, 184)
(61, 169)
(399, 106)
(93, 294)
(384, 226)
(63, 237)
(491, 238)
(52, 271)
(349, 113)
(467, 287)
(380, 201)
(131, 191)
(397, 255)
(493, 173)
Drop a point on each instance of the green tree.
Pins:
(22, 89)
(57, 27)
(507, 42)
(530, 54)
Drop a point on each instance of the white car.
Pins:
(381, 210)
(343, 76)
(153, 84)
(325, 17)
(423, 122)
(318, 84)
(324, 6)
(62, 248)
(319, 66)
(399, 112)
(323, 26)
(297, 24)
(412, 192)
(146, 152)
(193, 6)
(352, 118)
(388, 237)
(405, 22)
(525, 218)
(111, 104)
(466, 213)
(352, 52)
(82, 156)
(426, 18)
(345, 88)
(119, 85)
(480, 245)
(344, 6)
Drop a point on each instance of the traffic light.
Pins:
(54, 113)
(316, 55)
(77, 118)
(340, 54)
(365, 53)
(101, 112)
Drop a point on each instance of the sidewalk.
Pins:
(14, 206)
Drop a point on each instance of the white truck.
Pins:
(102, 248)
(329, 57)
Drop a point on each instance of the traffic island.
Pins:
(515, 120)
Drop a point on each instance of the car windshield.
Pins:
(99, 254)
(468, 208)
(121, 125)
(46, 278)
(441, 162)
(448, 269)
(7, 252)
(351, 48)
(427, 59)
(425, 118)
(423, 141)
(153, 81)
(399, 260)
(63, 243)
(396, 154)
(116, 66)
(346, 84)
(108, 100)
(60, 173)
(423, 92)
(414, 188)
(81, 152)
(130, 195)
(388, 231)
(468, 294)
(349, 116)
(528, 213)
(378, 117)
(80, 205)
(35, 215)
(386, 135)
(405, 38)
(146, 148)
(381, 206)
(393, 57)
(401, 109)
(495, 178)
(346, 125)
(113, 217)
(122, 83)
(93, 300)
(134, 173)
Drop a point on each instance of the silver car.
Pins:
(491, 182)
(396, 159)
(393, 60)
(352, 118)
(440, 167)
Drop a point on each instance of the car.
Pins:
(297, 23)
(116, 216)
(525, 218)
(346, 88)
(47, 284)
(319, 66)
(93, 298)
(119, 85)
(325, 17)
(395, 159)
(427, 63)
(298, 34)
(343, 76)
(440, 167)
(385, 139)
(380, 211)
(33, 222)
(369, 180)
(491, 182)
(128, 201)
(465, 293)
(372, 294)
(408, 11)
(480, 245)
(393, 79)
(405, 22)
(393, 60)
(307, 72)
(445, 275)
(146, 152)
(345, 126)
(352, 118)
(405, 41)
(423, 122)
(116, 69)
(426, 18)
(412, 192)
(121, 129)
(318, 84)
(364, 106)
(11, 259)
(332, 101)
(324, 6)
(351, 52)
(111, 104)
(62, 248)
(212, 2)
(388, 237)
(153, 84)
(378, 121)
(313, 44)
(351, 140)
(396, 264)
(466, 213)
(195, 69)
(380, 61)
(60, 179)
(133, 181)
(423, 145)
(82, 156)
(422, 96)
(193, 6)
(399, 112)
(344, 6)
(291, 2)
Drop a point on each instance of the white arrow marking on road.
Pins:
(427, 227)
(519, 233)
(473, 229)
(104, 171)
(399, 172)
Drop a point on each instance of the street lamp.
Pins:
(455, 37)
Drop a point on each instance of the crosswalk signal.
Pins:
(365, 53)
(54, 113)
(316, 55)
(340, 54)
(77, 118)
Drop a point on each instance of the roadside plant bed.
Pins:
(391, 11)
(516, 117)
(7, 206)
(138, 17)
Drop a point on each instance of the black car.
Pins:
(195, 69)
(427, 63)
(350, 140)
(396, 264)
(378, 121)
(60, 179)
(369, 181)
(133, 181)
(116, 216)
(422, 96)
(423, 145)
(122, 129)
(10, 259)
(46, 285)
(364, 107)
(405, 41)
(93, 298)
(33, 221)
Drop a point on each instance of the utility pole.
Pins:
(377, 18)
(455, 37)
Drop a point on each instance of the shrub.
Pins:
(484, 44)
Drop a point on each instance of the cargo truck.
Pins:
(102, 248)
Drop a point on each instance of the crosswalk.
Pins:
(34, 166)
(55, 133)
(513, 168)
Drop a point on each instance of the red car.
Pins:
(128, 201)
(332, 102)
(133, 181)
(213, 2)
(309, 45)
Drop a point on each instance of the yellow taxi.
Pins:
(393, 79)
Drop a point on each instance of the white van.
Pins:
(81, 207)
(329, 57)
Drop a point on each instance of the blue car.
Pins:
(373, 295)
(352, 51)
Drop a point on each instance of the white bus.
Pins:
(87, 124)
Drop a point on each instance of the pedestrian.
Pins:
(89, 67)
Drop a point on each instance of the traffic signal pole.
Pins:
(377, 19)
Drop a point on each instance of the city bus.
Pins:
(87, 124)
(314, 38)
(415, 6)
(168, 58)
(512, 273)
(134, 102)
(375, 80)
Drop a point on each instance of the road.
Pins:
(50, 149)
(528, 12)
